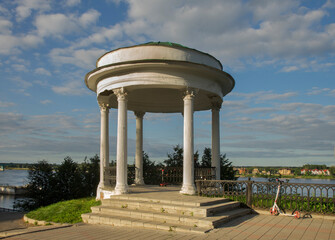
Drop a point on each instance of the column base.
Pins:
(188, 189)
(139, 182)
(103, 193)
(121, 189)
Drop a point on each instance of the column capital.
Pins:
(190, 93)
(139, 114)
(104, 106)
(216, 105)
(121, 94)
(216, 102)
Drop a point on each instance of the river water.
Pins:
(19, 178)
(11, 178)
(294, 180)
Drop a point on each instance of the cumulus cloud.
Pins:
(5, 26)
(233, 30)
(72, 3)
(84, 58)
(46, 102)
(58, 24)
(25, 7)
(290, 69)
(72, 88)
(263, 96)
(42, 71)
(6, 104)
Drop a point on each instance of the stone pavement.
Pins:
(248, 227)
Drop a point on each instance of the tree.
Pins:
(196, 159)
(91, 173)
(176, 158)
(227, 170)
(206, 158)
(41, 187)
(332, 170)
(69, 180)
(151, 171)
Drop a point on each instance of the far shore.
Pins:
(288, 176)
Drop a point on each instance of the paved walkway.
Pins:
(248, 227)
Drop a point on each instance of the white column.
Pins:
(216, 138)
(188, 163)
(104, 145)
(121, 151)
(139, 149)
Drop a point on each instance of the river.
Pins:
(11, 178)
(19, 178)
(294, 180)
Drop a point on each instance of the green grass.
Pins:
(64, 212)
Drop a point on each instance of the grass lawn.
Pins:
(65, 211)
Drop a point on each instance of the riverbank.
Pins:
(287, 176)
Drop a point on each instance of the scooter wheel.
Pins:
(274, 212)
(296, 214)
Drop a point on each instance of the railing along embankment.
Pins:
(317, 198)
(12, 190)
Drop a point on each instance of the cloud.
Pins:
(83, 58)
(322, 91)
(276, 96)
(72, 3)
(102, 35)
(8, 44)
(5, 26)
(289, 69)
(264, 96)
(46, 102)
(6, 104)
(19, 68)
(235, 31)
(21, 83)
(73, 88)
(25, 7)
(64, 24)
(42, 71)
(10, 122)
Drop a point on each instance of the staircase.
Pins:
(169, 211)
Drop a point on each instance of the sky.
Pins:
(280, 53)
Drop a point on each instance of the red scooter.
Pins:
(275, 210)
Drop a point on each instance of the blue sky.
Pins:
(281, 54)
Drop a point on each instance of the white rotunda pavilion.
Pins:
(157, 77)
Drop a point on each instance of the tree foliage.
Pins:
(40, 190)
(151, 170)
(47, 185)
(314, 166)
(206, 158)
(227, 171)
(175, 159)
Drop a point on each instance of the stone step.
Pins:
(159, 207)
(162, 217)
(94, 218)
(183, 202)
(207, 222)
(226, 216)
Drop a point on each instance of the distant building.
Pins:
(264, 172)
(285, 171)
(242, 171)
(325, 172)
(255, 171)
(2, 168)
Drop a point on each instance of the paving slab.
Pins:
(247, 228)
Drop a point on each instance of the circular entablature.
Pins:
(156, 75)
